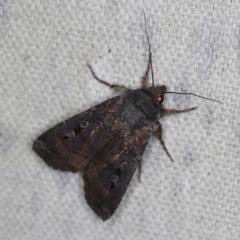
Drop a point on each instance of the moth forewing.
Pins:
(68, 146)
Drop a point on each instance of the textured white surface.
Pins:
(44, 48)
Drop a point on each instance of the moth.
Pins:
(107, 141)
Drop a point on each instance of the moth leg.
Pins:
(114, 86)
(167, 112)
(159, 136)
(145, 77)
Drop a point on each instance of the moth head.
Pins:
(156, 94)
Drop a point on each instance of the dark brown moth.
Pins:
(108, 141)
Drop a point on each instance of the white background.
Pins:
(44, 49)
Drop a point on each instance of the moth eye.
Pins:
(84, 124)
(160, 99)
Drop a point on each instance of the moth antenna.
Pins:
(197, 96)
(149, 47)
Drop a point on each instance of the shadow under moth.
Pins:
(107, 141)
